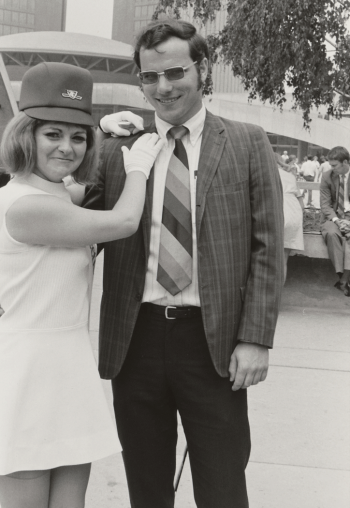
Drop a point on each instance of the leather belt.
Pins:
(170, 311)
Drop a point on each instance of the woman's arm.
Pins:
(48, 220)
(301, 202)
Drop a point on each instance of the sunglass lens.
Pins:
(174, 73)
(149, 77)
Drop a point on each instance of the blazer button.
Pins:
(138, 297)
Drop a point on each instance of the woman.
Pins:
(54, 419)
(293, 207)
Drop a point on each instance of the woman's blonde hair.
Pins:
(18, 149)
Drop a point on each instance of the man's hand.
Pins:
(249, 365)
(343, 225)
(110, 123)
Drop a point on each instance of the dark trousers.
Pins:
(168, 369)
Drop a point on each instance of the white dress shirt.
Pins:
(154, 292)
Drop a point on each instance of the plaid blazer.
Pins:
(239, 217)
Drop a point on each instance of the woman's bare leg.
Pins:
(68, 486)
(25, 489)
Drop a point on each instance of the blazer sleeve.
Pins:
(326, 201)
(265, 280)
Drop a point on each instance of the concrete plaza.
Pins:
(300, 416)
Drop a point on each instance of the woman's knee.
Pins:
(68, 486)
(25, 489)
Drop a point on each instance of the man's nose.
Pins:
(164, 85)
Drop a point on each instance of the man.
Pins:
(335, 220)
(285, 156)
(186, 321)
(309, 171)
(293, 165)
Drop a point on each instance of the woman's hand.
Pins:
(142, 154)
(110, 123)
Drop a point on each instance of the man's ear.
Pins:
(203, 69)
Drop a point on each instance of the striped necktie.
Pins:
(175, 249)
(340, 210)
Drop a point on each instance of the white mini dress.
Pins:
(53, 410)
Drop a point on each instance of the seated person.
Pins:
(335, 219)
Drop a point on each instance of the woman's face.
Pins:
(60, 148)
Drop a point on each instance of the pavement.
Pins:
(300, 416)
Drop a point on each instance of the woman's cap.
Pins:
(57, 92)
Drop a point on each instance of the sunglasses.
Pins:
(171, 74)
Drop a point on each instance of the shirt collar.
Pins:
(195, 125)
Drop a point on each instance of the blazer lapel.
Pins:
(213, 142)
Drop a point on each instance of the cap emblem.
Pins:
(72, 94)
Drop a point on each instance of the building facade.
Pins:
(18, 16)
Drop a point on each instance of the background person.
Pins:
(192, 348)
(293, 206)
(293, 166)
(54, 417)
(335, 219)
(309, 170)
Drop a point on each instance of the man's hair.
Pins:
(18, 149)
(338, 153)
(160, 31)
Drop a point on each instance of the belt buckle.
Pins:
(166, 311)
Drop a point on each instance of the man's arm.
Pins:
(326, 201)
(249, 361)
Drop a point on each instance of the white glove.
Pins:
(110, 123)
(143, 153)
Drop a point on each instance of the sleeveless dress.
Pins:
(53, 410)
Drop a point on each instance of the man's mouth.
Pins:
(168, 101)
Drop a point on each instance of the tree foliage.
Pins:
(271, 44)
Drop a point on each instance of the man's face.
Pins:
(174, 101)
(339, 168)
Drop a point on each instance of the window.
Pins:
(137, 25)
(14, 29)
(7, 16)
(1, 14)
(2, 3)
(8, 4)
(31, 5)
(30, 19)
(23, 5)
(137, 12)
(1, 30)
(151, 9)
(15, 17)
(15, 5)
(144, 10)
(7, 30)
